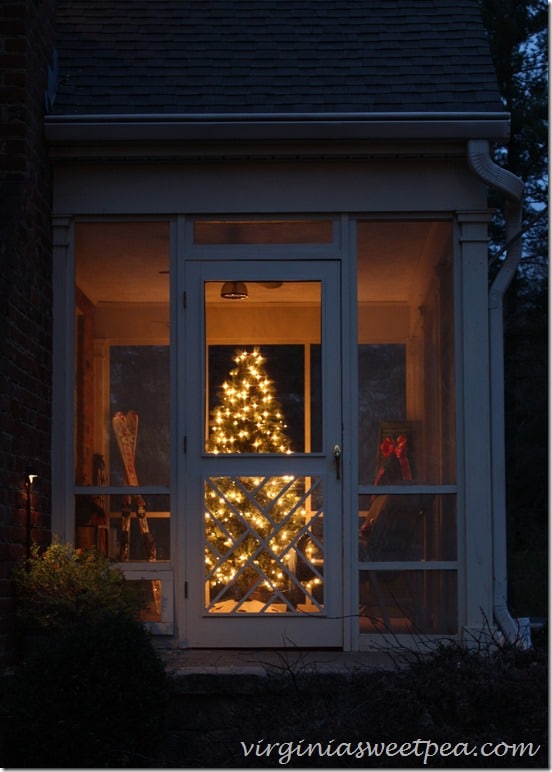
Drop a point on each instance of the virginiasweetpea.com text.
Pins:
(425, 750)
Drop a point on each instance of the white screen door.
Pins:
(263, 507)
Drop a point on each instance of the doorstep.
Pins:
(241, 671)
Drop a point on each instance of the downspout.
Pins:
(512, 187)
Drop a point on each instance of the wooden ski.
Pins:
(125, 427)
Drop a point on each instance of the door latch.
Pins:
(337, 459)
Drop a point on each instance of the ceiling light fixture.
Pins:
(234, 290)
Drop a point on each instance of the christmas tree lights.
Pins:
(249, 418)
(256, 527)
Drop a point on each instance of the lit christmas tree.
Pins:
(256, 527)
(249, 418)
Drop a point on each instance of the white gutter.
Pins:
(512, 187)
(242, 127)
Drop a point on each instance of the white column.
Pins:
(475, 500)
(63, 381)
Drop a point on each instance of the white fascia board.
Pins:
(109, 129)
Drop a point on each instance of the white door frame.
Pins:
(246, 630)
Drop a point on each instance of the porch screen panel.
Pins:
(122, 388)
(258, 231)
(406, 353)
(412, 602)
(407, 527)
(264, 383)
(407, 431)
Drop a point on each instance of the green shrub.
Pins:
(64, 584)
(445, 693)
(94, 696)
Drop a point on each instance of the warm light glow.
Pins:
(248, 535)
(30, 476)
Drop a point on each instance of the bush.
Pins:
(93, 696)
(64, 584)
(443, 693)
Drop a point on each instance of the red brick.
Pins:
(25, 254)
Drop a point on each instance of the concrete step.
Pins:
(223, 671)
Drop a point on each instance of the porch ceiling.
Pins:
(129, 262)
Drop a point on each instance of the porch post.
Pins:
(475, 383)
(62, 386)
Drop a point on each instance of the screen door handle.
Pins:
(337, 459)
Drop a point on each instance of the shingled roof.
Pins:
(272, 56)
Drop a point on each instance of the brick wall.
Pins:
(26, 50)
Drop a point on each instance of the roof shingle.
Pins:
(272, 56)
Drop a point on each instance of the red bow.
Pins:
(399, 448)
